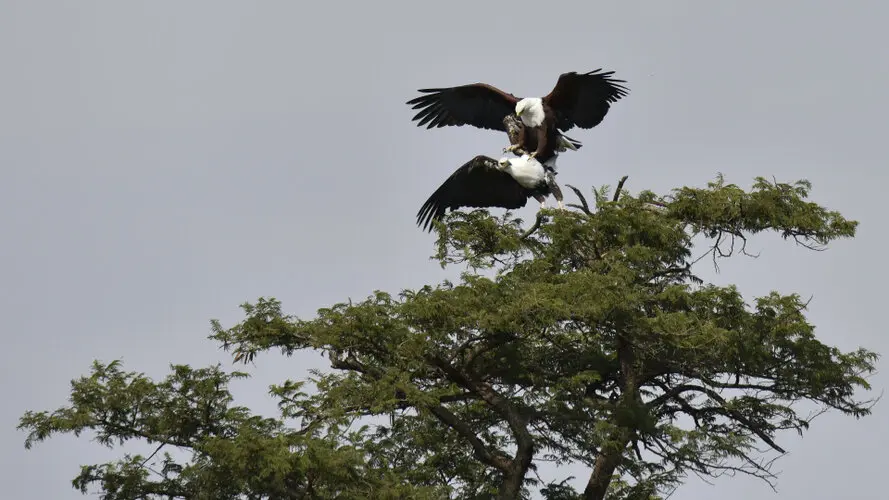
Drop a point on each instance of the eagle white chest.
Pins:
(528, 172)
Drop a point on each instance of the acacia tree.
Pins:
(591, 340)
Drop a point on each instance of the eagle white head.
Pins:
(525, 170)
(530, 110)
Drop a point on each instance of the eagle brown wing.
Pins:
(477, 104)
(477, 183)
(583, 100)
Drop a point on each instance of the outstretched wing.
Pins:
(477, 183)
(583, 100)
(478, 104)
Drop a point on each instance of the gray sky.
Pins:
(161, 165)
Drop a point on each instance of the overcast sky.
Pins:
(163, 162)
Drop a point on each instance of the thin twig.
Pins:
(152, 455)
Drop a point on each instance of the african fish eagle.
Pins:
(580, 100)
(484, 182)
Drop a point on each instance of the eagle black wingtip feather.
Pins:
(428, 222)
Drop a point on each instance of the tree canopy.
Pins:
(587, 338)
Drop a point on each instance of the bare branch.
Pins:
(586, 206)
(533, 228)
(673, 394)
(481, 451)
(152, 454)
(620, 186)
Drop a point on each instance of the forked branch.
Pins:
(585, 206)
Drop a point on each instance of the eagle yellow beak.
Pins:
(518, 113)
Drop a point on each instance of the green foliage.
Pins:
(233, 453)
(593, 342)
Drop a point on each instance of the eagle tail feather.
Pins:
(566, 143)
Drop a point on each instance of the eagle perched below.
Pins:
(483, 182)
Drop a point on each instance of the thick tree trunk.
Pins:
(603, 471)
(511, 486)
(607, 461)
(512, 483)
